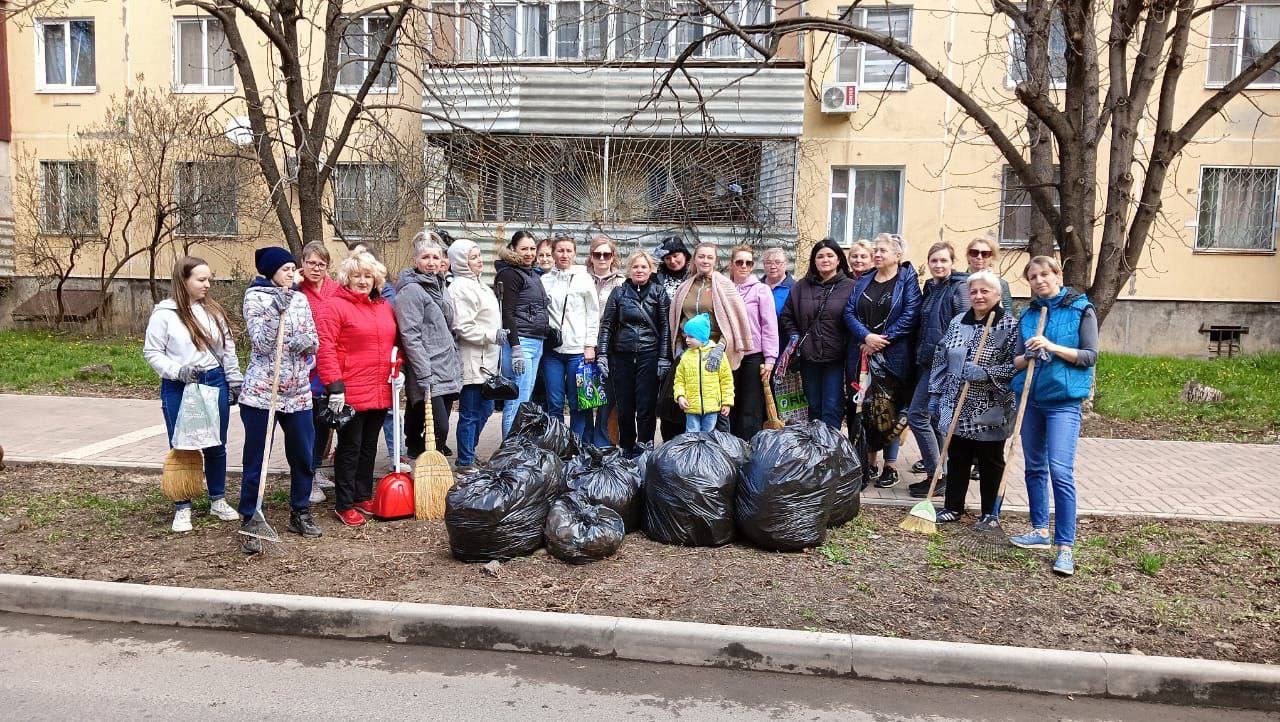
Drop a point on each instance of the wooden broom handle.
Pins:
(1022, 405)
(271, 410)
(955, 416)
(770, 407)
(429, 428)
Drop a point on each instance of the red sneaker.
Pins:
(364, 507)
(350, 517)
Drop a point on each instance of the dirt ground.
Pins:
(1142, 587)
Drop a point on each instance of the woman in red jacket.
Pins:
(357, 333)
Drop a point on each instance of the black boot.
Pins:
(301, 522)
(888, 478)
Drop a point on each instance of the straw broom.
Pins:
(432, 477)
(771, 408)
(923, 517)
(183, 476)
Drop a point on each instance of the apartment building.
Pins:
(896, 164)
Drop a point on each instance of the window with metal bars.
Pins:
(68, 197)
(1238, 206)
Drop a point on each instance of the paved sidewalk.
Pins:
(1190, 480)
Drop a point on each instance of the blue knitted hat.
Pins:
(269, 260)
(699, 327)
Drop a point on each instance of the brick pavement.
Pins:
(1192, 480)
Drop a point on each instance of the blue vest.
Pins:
(1056, 382)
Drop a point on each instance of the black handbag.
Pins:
(554, 340)
(496, 387)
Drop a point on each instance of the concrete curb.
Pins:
(1154, 679)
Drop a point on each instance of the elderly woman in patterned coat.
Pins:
(986, 419)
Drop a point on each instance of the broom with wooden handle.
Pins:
(923, 517)
(993, 524)
(257, 525)
(771, 408)
(432, 477)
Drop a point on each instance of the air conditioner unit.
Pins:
(839, 97)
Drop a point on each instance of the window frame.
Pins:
(1275, 221)
(1011, 61)
(204, 87)
(65, 228)
(338, 220)
(199, 229)
(41, 72)
(645, 42)
(843, 43)
(847, 238)
(1237, 57)
(389, 63)
(1006, 173)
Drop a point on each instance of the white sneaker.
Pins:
(321, 481)
(223, 511)
(182, 520)
(317, 494)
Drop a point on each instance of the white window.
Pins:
(591, 29)
(1238, 209)
(202, 56)
(1238, 34)
(361, 42)
(1016, 207)
(365, 200)
(205, 192)
(870, 67)
(68, 197)
(65, 61)
(865, 202)
(1057, 54)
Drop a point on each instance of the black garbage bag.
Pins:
(523, 451)
(496, 514)
(578, 531)
(608, 478)
(798, 479)
(738, 450)
(550, 433)
(688, 493)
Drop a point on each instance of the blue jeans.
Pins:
(473, 411)
(700, 422)
(824, 389)
(560, 376)
(299, 440)
(215, 457)
(920, 417)
(388, 436)
(532, 348)
(1049, 437)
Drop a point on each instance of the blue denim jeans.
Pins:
(473, 411)
(299, 441)
(824, 389)
(700, 422)
(532, 348)
(1049, 435)
(215, 457)
(920, 416)
(560, 378)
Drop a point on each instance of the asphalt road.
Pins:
(62, 669)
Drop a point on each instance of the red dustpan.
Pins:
(393, 494)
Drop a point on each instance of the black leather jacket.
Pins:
(635, 320)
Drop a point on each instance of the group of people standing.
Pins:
(681, 345)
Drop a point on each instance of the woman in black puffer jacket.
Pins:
(945, 296)
(812, 319)
(634, 350)
(523, 302)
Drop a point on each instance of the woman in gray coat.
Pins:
(986, 419)
(424, 315)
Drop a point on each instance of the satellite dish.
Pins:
(238, 130)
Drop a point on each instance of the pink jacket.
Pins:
(760, 314)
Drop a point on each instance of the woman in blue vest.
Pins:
(1065, 354)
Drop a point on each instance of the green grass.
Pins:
(1146, 388)
(45, 360)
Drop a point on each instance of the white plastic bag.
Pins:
(199, 418)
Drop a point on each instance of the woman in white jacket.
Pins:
(574, 311)
(189, 341)
(477, 327)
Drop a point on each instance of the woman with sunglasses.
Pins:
(747, 417)
(603, 265)
(983, 254)
(881, 315)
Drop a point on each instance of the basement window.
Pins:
(1224, 341)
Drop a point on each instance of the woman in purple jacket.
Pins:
(757, 365)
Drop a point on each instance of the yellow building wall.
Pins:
(952, 182)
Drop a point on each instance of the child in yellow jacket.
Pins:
(702, 393)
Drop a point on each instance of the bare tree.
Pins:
(1115, 74)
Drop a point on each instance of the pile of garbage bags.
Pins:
(688, 492)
